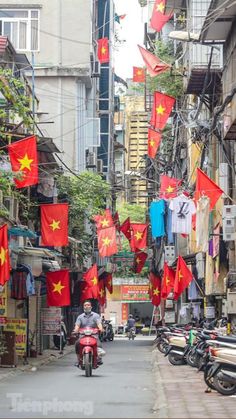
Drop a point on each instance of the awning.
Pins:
(22, 231)
(37, 251)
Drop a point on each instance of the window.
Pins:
(21, 27)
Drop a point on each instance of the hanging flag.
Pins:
(159, 18)
(86, 292)
(183, 277)
(91, 276)
(107, 242)
(154, 141)
(116, 221)
(118, 18)
(125, 228)
(206, 186)
(58, 288)
(162, 107)
(154, 65)
(168, 281)
(169, 186)
(104, 220)
(155, 282)
(101, 293)
(138, 74)
(139, 261)
(103, 50)
(4, 256)
(138, 236)
(54, 224)
(107, 279)
(24, 160)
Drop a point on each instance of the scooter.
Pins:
(108, 333)
(89, 353)
(131, 333)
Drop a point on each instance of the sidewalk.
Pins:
(47, 356)
(180, 393)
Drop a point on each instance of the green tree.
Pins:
(137, 214)
(87, 195)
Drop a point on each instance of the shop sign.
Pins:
(19, 327)
(124, 312)
(51, 320)
(135, 293)
(3, 304)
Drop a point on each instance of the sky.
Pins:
(132, 30)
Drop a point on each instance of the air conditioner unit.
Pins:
(170, 254)
(91, 160)
(229, 211)
(100, 166)
(96, 69)
(229, 229)
(12, 206)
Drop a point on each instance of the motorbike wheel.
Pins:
(175, 361)
(161, 347)
(87, 365)
(192, 359)
(111, 338)
(208, 381)
(227, 389)
(133, 337)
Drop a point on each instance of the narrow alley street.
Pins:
(122, 387)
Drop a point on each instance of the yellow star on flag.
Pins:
(103, 50)
(138, 235)
(167, 280)
(25, 162)
(106, 241)
(156, 291)
(139, 72)
(105, 223)
(160, 7)
(138, 260)
(180, 275)
(3, 254)
(160, 110)
(151, 142)
(58, 287)
(101, 292)
(94, 280)
(170, 189)
(55, 225)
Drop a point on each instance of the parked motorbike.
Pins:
(89, 353)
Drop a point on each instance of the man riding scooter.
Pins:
(87, 319)
(130, 328)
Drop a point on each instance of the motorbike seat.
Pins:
(227, 339)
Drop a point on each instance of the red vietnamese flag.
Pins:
(24, 160)
(58, 288)
(103, 50)
(104, 220)
(154, 65)
(107, 242)
(4, 256)
(169, 186)
(54, 224)
(138, 236)
(139, 261)
(162, 107)
(86, 292)
(91, 276)
(154, 141)
(167, 281)
(138, 74)
(107, 279)
(183, 277)
(101, 293)
(125, 228)
(155, 289)
(206, 186)
(159, 18)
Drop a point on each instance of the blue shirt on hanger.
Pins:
(157, 212)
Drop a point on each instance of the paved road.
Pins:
(122, 388)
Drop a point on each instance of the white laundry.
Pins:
(182, 209)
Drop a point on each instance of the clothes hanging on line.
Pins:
(182, 209)
(157, 218)
(202, 223)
